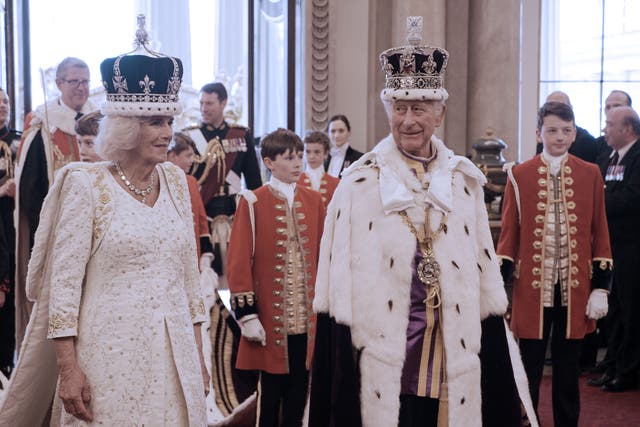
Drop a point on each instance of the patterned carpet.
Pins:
(597, 408)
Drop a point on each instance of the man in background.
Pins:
(49, 142)
(225, 153)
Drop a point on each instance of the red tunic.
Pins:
(65, 148)
(522, 240)
(200, 223)
(328, 186)
(264, 277)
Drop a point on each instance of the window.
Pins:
(587, 49)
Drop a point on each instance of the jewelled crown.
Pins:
(414, 71)
(144, 84)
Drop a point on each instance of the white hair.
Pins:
(117, 135)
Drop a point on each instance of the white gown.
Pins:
(133, 315)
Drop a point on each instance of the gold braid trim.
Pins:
(605, 263)
(213, 156)
(6, 156)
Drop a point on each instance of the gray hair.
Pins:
(117, 135)
(67, 63)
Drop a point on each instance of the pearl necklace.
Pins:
(142, 193)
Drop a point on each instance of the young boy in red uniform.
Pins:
(555, 243)
(316, 148)
(272, 262)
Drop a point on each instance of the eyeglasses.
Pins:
(77, 83)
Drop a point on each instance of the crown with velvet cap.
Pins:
(141, 85)
(414, 72)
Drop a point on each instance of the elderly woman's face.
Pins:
(155, 136)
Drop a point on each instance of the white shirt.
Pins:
(337, 159)
(554, 161)
(287, 189)
(621, 152)
(315, 175)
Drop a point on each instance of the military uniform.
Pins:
(7, 252)
(224, 154)
(48, 143)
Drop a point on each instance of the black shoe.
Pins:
(619, 384)
(600, 381)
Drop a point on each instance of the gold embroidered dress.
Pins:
(134, 311)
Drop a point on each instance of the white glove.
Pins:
(205, 260)
(208, 280)
(598, 305)
(252, 329)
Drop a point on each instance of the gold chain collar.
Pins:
(428, 269)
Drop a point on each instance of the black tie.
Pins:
(78, 115)
(615, 158)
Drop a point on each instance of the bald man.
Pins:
(617, 98)
(584, 146)
(622, 202)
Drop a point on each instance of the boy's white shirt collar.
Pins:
(287, 190)
(555, 162)
(315, 175)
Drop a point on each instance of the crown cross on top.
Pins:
(414, 30)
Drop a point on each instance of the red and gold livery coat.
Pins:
(261, 281)
(524, 218)
(64, 148)
(328, 186)
(200, 223)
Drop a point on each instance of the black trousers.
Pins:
(623, 351)
(565, 359)
(416, 411)
(285, 392)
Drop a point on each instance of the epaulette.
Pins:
(191, 127)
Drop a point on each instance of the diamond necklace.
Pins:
(142, 193)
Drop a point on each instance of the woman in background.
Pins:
(341, 154)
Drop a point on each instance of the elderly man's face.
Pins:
(74, 87)
(413, 123)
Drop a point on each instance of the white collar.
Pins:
(315, 175)
(57, 115)
(555, 162)
(287, 190)
(339, 151)
(624, 150)
(398, 184)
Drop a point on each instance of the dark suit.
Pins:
(622, 202)
(350, 156)
(584, 147)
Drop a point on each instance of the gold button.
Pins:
(542, 170)
(541, 206)
(568, 180)
(537, 232)
(542, 194)
(539, 219)
(537, 244)
(542, 182)
(569, 192)
(276, 305)
(536, 284)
